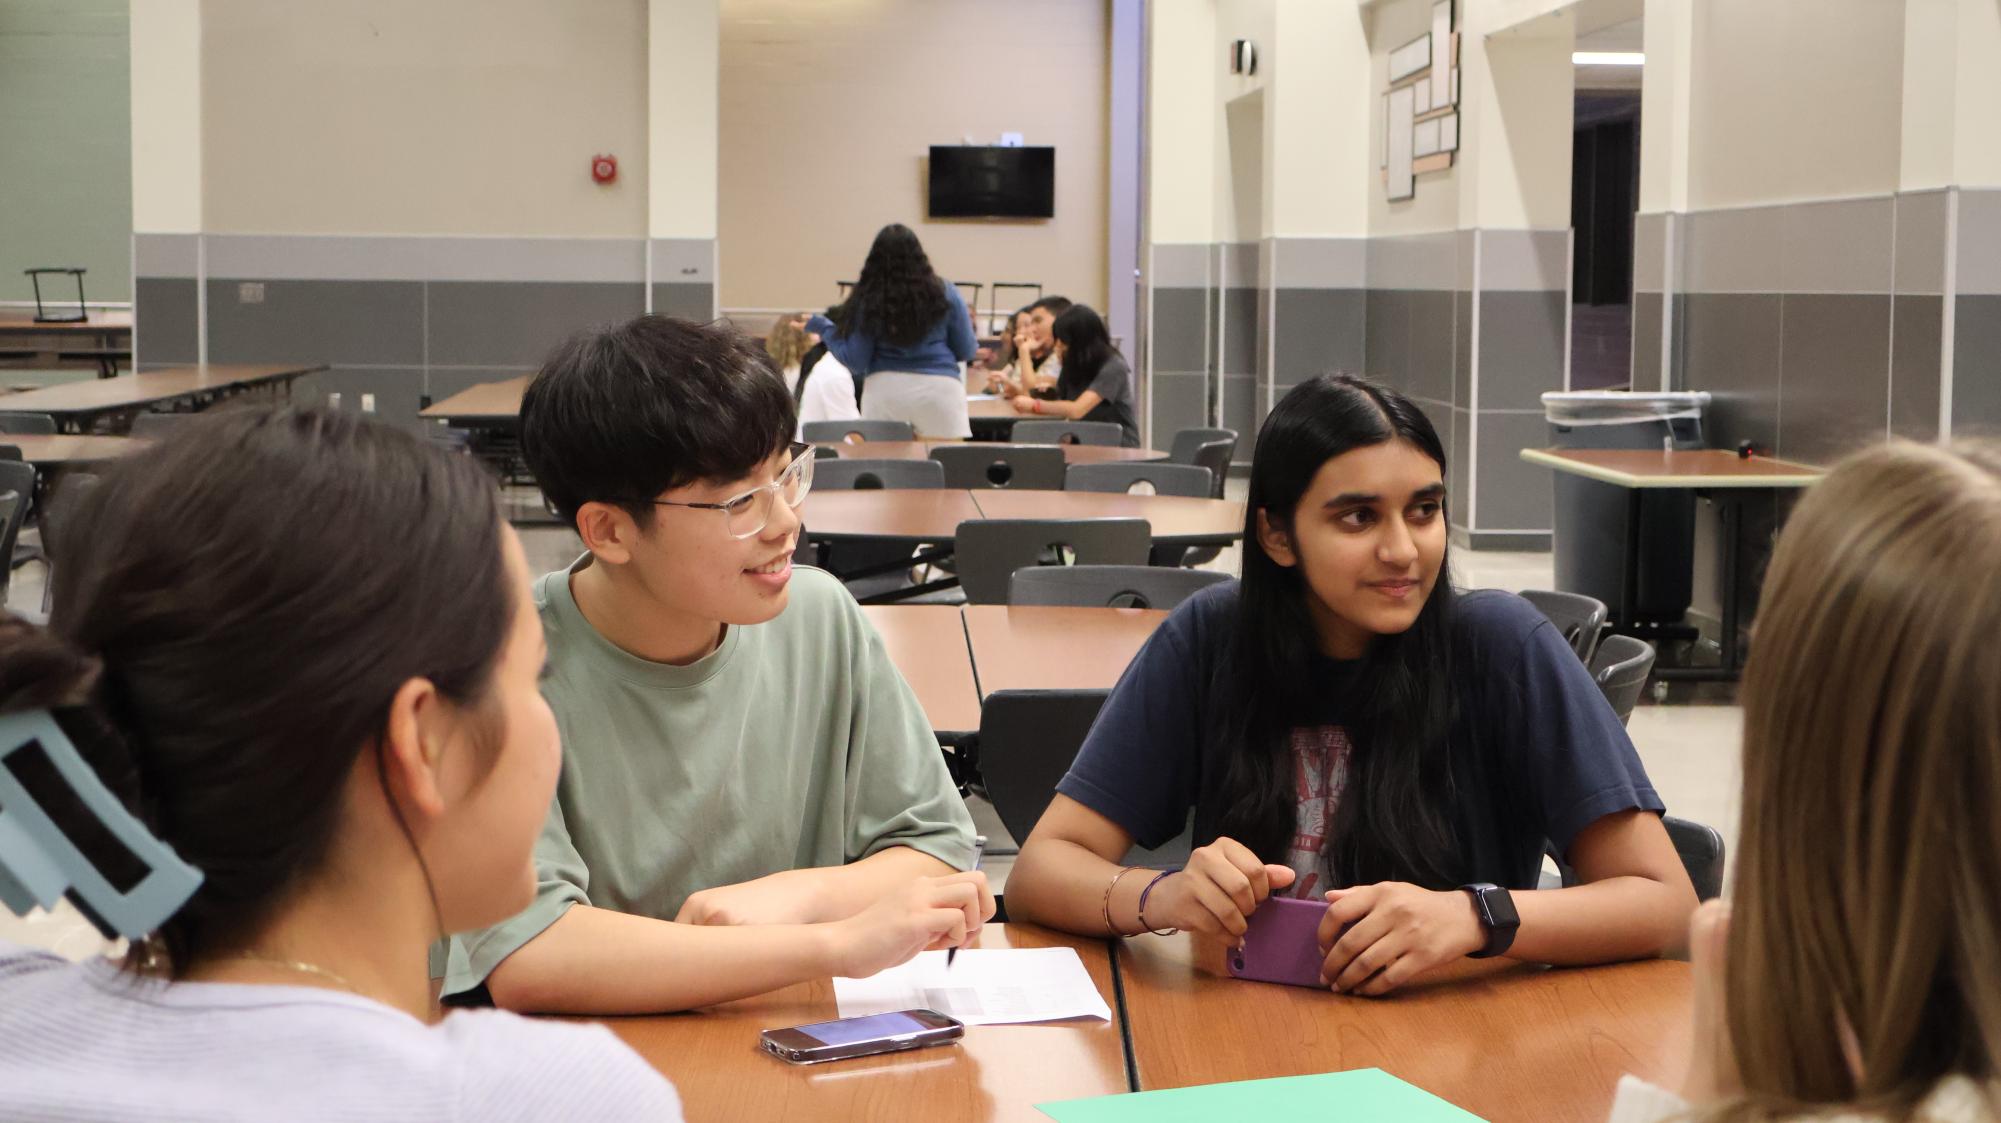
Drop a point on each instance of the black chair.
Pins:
(27, 424)
(982, 465)
(991, 550)
(157, 425)
(1578, 617)
(1700, 848)
(1620, 666)
(13, 508)
(1207, 448)
(1109, 586)
(855, 474)
(1128, 475)
(826, 452)
(837, 432)
(1059, 432)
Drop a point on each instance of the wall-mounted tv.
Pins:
(978, 181)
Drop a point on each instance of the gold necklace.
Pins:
(301, 968)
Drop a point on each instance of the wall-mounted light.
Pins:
(1243, 57)
(1608, 58)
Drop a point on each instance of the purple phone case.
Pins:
(1282, 944)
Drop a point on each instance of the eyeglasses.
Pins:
(746, 515)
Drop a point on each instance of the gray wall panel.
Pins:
(1458, 437)
(1514, 494)
(1180, 401)
(695, 302)
(1914, 366)
(1240, 413)
(1646, 340)
(1179, 340)
(352, 323)
(1386, 345)
(1976, 374)
(1428, 363)
(165, 320)
(396, 391)
(1730, 347)
(1840, 246)
(1521, 348)
(1921, 221)
(475, 323)
(1318, 330)
(1241, 331)
(1834, 390)
(1462, 349)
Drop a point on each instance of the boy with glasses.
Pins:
(751, 795)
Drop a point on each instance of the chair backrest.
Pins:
(1027, 741)
(835, 432)
(157, 425)
(978, 464)
(1059, 432)
(1109, 586)
(990, 550)
(826, 452)
(1147, 476)
(13, 508)
(1208, 448)
(27, 424)
(1701, 850)
(1621, 666)
(1578, 617)
(853, 474)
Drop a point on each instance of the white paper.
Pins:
(996, 986)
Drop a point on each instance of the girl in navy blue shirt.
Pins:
(1343, 725)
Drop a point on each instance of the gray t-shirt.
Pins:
(1113, 383)
(90, 1042)
(795, 744)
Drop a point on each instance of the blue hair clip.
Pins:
(39, 863)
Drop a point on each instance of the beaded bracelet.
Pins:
(1109, 926)
(1148, 891)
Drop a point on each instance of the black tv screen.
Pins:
(976, 181)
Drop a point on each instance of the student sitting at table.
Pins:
(1856, 975)
(1346, 726)
(906, 332)
(1036, 364)
(821, 387)
(741, 750)
(1095, 383)
(997, 362)
(298, 647)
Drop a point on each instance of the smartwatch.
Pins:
(1496, 910)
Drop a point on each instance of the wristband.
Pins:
(1147, 892)
(1109, 926)
(1035, 404)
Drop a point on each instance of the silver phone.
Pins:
(862, 1037)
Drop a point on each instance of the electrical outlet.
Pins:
(368, 403)
(250, 292)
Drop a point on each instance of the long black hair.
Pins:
(1394, 820)
(1087, 347)
(898, 296)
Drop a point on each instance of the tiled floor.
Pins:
(1690, 751)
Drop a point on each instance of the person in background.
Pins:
(298, 647)
(1095, 382)
(822, 389)
(997, 362)
(1036, 365)
(906, 332)
(1854, 973)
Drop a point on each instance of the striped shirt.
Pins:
(91, 1042)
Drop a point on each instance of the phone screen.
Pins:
(847, 1031)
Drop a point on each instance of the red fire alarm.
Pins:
(604, 169)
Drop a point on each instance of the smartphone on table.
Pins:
(1282, 943)
(862, 1037)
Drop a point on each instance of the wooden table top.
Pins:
(66, 449)
(1175, 519)
(102, 321)
(909, 516)
(921, 450)
(1505, 1042)
(146, 388)
(996, 1073)
(1038, 647)
(1692, 468)
(927, 642)
(992, 409)
(497, 401)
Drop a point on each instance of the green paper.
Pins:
(1364, 1095)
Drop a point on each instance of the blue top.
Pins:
(1536, 751)
(943, 348)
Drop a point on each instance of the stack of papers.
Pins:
(1365, 1095)
(996, 986)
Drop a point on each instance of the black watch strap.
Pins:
(1495, 907)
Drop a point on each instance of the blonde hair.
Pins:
(787, 342)
(1868, 894)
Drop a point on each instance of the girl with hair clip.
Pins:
(298, 648)
(1346, 727)
(822, 389)
(906, 332)
(1856, 973)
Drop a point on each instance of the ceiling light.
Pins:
(1608, 58)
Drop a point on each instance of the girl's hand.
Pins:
(1022, 403)
(1712, 1064)
(1377, 937)
(1216, 892)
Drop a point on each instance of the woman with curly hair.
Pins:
(906, 332)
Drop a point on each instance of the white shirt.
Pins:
(830, 393)
(91, 1042)
(1956, 1099)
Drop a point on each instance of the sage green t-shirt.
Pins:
(794, 744)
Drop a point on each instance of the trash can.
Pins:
(1590, 516)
